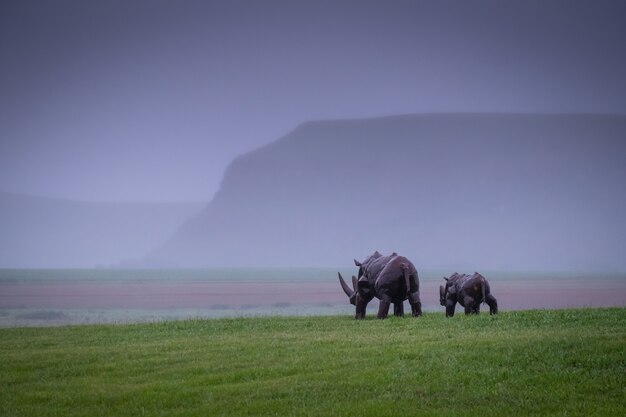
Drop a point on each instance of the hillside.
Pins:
(478, 191)
(40, 232)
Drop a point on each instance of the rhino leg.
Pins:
(383, 307)
(492, 303)
(450, 307)
(416, 304)
(361, 307)
(398, 309)
(469, 304)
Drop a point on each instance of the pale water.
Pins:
(72, 296)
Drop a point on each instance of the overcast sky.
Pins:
(150, 100)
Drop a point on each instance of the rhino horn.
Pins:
(349, 291)
(442, 295)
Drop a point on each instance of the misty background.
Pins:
(153, 133)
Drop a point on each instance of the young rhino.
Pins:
(467, 290)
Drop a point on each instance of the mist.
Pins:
(40, 232)
(259, 109)
(489, 191)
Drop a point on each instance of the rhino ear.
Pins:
(377, 253)
(357, 263)
(446, 278)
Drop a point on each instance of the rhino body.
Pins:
(391, 279)
(469, 291)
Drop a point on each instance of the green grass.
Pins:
(557, 363)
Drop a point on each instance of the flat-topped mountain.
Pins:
(478, 191)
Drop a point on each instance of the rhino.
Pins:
(391, 279)
(469, 291)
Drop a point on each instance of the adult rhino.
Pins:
(467, 290)
(392, 279)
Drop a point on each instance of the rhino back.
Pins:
(456, 280)
(375, 266)
(471, 284)
(393, 272)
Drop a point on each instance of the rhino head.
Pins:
(360, 287)
(447, 291)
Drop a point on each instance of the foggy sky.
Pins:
(150, 100)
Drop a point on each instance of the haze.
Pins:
(150, 101)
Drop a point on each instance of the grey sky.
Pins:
(150, 100)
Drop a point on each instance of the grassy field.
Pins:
(557, 363)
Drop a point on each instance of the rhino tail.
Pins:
(483, 287)
(405, 271)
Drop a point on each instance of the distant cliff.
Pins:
(473, 191)
(39, 232)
